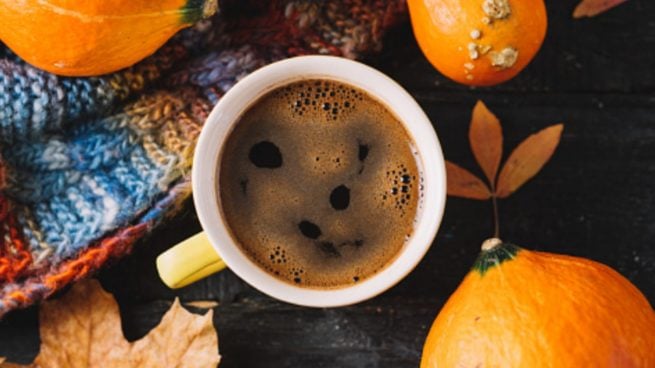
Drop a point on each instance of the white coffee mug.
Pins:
(198, 257)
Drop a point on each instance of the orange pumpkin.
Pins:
(479, 42)
(93, 37)
(518, 308)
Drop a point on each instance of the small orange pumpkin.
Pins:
(93, 37)
(518, 308)
(479, 42)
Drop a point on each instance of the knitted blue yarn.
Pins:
(75, 186)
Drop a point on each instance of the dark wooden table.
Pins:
(594, 199)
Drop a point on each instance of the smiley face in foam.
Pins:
(319, 184)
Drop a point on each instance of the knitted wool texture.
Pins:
(89, 165)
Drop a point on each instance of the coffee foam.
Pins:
(319, 184)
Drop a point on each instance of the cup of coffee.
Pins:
(318, 180)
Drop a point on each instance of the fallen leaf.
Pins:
(527, 159)
(591, 8)
(486, 138)
(83, 329)
(182, 339)
(461, 183)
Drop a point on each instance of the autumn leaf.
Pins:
(461, 183)
(486, 139)
(591, 8)
(182, 339)
(83, 329)
(527, 159)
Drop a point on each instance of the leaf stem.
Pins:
(494, 202)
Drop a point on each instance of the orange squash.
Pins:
(519, 308)
(479, 42)
(93, 37)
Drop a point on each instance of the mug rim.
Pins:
(219, 125)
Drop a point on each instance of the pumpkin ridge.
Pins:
(495, 256)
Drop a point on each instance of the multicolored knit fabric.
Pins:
(89, 165)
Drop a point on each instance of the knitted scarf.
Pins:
(90, 165)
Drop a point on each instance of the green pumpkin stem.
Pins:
(494, 252)
(195, 10)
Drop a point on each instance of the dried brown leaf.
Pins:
(83, 329)
(591, 8)
(461, 183)
(527, 159)
(181, 339)
(486, 138)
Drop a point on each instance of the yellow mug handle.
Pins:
(189, 261)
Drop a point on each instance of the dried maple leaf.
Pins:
(461, 183)
(486, 139)
(83, 329)
(591, 8)
(527, 159)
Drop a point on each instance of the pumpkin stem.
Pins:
(494, 252)
(209, 8)
(491, 243)
(195, 10)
